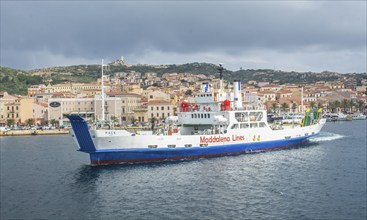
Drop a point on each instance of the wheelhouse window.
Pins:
(234, 126)
(242, 116)
(256, 116)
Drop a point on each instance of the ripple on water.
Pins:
(325, 178)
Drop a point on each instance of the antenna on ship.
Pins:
(221, 69)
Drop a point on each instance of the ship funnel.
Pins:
(205, 87)
(237, 94)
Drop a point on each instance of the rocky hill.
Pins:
(17, 81)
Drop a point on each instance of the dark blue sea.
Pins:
(44, 177)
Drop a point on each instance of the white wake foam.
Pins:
(326, 136)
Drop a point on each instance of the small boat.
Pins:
(334, 118)
(331, 117)
(338, 117)
(342, 117)
(359, 117)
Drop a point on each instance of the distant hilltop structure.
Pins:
(120, 61)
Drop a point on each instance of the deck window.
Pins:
(244, 125)
(242, 116)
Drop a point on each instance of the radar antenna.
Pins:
(220, 68)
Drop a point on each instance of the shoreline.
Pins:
(34, 132)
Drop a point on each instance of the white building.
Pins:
(90, 108)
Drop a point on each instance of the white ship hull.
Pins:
(119, 146)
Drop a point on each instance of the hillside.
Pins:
(17, 81)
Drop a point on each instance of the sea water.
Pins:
(44, 177)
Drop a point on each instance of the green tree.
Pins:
(294, 106)
(345, 104)
(152, 121)
(188, 92)
(360, 105)
(319, 105)
(284, 106)
(29, 122)
(54, 122)
(312, 104)
(329, 106)
(10, 122)
(351, 105)
(113, 119)
(274, 106)
(336, 105)
(133, 120)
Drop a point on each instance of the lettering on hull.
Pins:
(219, 139)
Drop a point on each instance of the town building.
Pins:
(9, 109)
(129, 102)
(88, 107)
(160, 109)
(31, 108)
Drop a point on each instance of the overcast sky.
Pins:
(285, 35)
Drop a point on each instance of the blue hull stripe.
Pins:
(160, 154)
(81, 131)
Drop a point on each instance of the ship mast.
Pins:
(102, 94)
(302, 100)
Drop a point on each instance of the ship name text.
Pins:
(218, 139)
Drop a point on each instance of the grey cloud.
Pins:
(89, 30)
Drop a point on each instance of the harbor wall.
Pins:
(33, 132)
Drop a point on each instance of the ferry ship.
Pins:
(216, 124)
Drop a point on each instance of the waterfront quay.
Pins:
(34, 132)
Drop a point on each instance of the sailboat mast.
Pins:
(102, 94)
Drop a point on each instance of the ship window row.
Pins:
(244, 116)
(205, 95)
(248, 125)
(200, 115)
